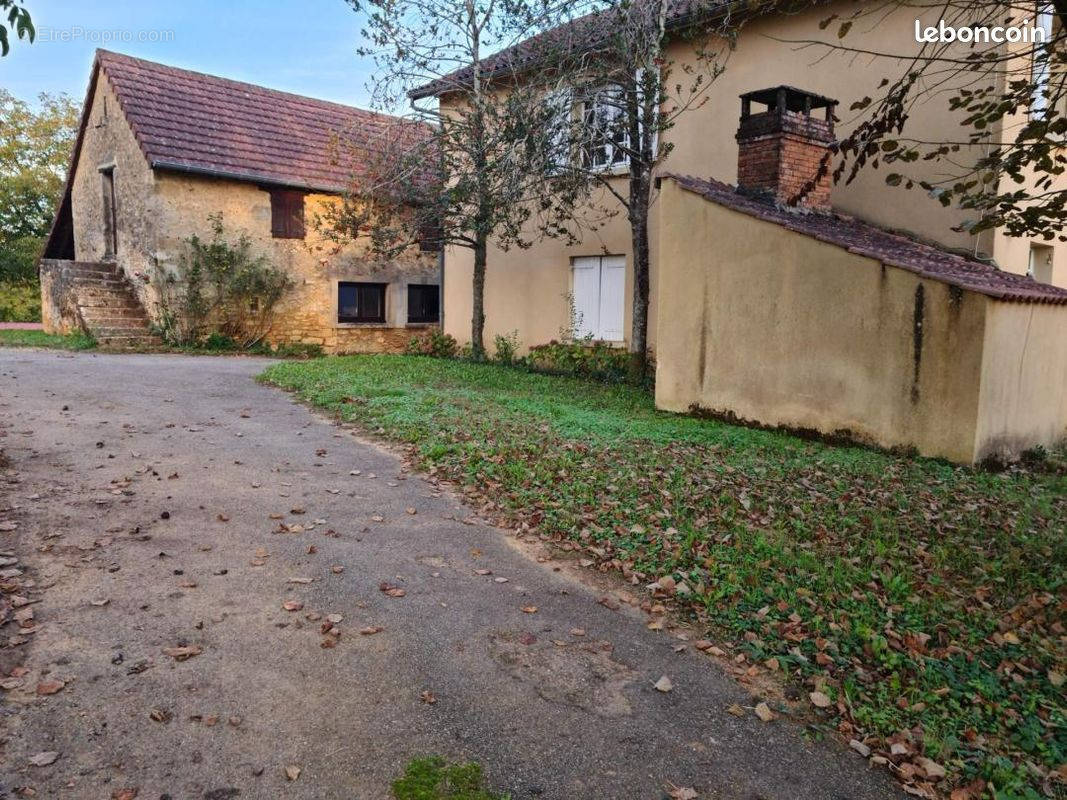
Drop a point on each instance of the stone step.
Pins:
(113, 283)
(105, 323)
(128, 342)
(119, 330)
(91, 270)
(101, 305)
(127, 311)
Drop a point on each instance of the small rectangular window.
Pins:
(361, 302)
(424, 302)
(286, 214)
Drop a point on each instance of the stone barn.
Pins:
(160, 150)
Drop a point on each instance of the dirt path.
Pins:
(147, 494)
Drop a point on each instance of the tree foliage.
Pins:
(1006, 165)
(18, 22)
(474, 173)
(220, 287)
(625, 94)
(35, 147)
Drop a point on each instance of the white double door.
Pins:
(600, 296)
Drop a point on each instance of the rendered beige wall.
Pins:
(1023, 399)
(158, 211)
(780, 329)
(525, 287)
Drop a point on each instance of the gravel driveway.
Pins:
(185, 537)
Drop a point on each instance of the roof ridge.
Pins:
(260, 87)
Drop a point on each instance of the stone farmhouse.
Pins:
(160, 149)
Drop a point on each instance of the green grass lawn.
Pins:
(926, 600)
(73, 341)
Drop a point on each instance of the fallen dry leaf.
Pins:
(428, 697)
(680, 792)
(183, 653)
(391, 589)
(129, 793)
(370, 630)
(663, 684)
(763, 711)
(100, 602)
(736, 710)
(292, 772)
(529, 609)
(820, 700)
(292, 605)
(50, 686)
(44, 759)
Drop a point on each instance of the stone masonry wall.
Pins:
(158, 211)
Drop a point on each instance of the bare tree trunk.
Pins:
(638, 213)
(478, 315)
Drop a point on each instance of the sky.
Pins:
(302, 46)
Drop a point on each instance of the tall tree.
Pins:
(1007, 163)
(35, 147)
(626, 94)
(18, 22)
(488, 139)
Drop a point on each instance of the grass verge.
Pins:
(72, 341)
(434, 779)
(924, 602)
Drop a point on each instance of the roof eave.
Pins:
(244, 177)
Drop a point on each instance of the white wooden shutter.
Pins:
(586, 291)
(612, 298)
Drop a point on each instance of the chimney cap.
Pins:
(792, 99)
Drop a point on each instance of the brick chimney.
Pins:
(779, 150)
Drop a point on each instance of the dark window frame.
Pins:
(362, 317)
(287, 213)
(424, 318)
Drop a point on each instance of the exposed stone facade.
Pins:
(158, 210)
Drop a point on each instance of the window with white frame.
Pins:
(598, 291)
(1042, 71)
(606, 137)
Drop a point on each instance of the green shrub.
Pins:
(20, 301)
(433, 343)
(434, 779)
(507, 346)
(298, 350)
(18, 259)
(582, 358)
(219, 288)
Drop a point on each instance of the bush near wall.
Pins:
(20, 302)
(582, 358)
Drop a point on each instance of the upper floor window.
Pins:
(594, 128)
(286, 214)
(604, 128)
(1042, 71)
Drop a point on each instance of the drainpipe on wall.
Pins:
(441, 288)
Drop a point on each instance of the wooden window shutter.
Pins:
(286, 214)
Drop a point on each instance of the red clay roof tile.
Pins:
(881, 245)
(189, 121)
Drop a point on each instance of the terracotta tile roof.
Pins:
(189, 121)
(580, 35)
(884, 246)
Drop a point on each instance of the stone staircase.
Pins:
(108, 307)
